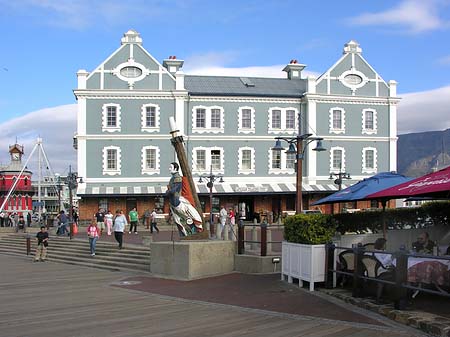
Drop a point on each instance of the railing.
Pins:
(263, 242)
(400, 281)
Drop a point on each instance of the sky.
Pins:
(45, 42)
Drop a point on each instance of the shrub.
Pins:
(312, 229)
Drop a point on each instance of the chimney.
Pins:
(131, 36)
(294, 69)
(82, 78)
(172, 64)
(352, 47)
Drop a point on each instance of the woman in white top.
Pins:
(109, 221)
(120, 221)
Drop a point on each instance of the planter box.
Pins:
(304, 262)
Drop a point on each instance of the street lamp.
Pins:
(72, 183)
(339, 176)
(297, 146)
(211, 178)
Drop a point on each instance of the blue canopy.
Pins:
(362, 189)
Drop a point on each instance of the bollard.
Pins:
(71, 230)
(401, 275)
(225, 232)
(28, 245)
(254, 244)
(264, 239)
(241, 237)
(329, 265)
(218, 231)
(269, 241)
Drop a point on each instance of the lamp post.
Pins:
(72, 183)
(297, 146)
(211, 178)
(339, 176)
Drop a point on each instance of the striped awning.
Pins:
(218, 188)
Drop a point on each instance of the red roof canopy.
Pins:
(436, 184)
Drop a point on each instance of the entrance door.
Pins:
(245, 208)
(131, 203)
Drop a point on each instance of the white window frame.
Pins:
(369, 131)
(208, 150)
(146, 170)
(207, 128)
(107, 171)
(242, 170)
(283, 169)
(283, 128)
(241, 129)
(146, 128)
(336, 169)
(366, 169)
(332, 129)
(105, 127)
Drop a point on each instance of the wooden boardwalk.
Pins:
(51, 299)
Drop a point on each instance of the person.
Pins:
(100, 218)
(386, 260)
(2, 219)
(63, 220)
(153, 222)
(21, 224)
(232, 217)
(423, 244)
(29, 219)
(223, 219)
(133, 216)
(75, 217)
(109, 221)
(120, 221)
(41, 250)
(147, 220)
(185, 216)
(92, 232)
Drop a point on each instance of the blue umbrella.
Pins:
(362, 189)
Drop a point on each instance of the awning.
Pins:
(224, 188)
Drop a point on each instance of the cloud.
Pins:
(56, 126)
(414, 16)
(424, 111)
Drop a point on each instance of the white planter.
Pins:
(304, 262)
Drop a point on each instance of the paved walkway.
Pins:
(53, 299)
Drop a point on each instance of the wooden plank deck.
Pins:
(51, 299)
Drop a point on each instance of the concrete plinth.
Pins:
(189, 260)
(252, 264)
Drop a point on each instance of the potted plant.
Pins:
(303, 250)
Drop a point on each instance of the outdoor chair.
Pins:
(372, 267)
(347, 262)
(369, 246)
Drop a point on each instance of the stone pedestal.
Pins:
(189, 260)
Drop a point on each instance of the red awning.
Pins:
(436, 184)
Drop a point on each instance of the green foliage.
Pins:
(312, 229)
(429, 214)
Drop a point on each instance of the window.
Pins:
(281, 162)
(290, 160)
(246, 164)
(150, 118)
(207, 119)
(150, 160)
(215, 205)
(246, 120)
(111, 118)
(337, 120)
(369, 121)
(337, 159)
(130, 72)
(205, 158)
(103, 204)
(111, 160)
(282, 120)
(369, 160)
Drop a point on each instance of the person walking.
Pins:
(147, 218)
(133, 216)
(41, 250)
(120, 221)
(153, 222)
(223, 219)
(92, 232)
(232, 230)
(21, 225)
(63, 220)
(29, 219)
(100, 218)
(109, 221)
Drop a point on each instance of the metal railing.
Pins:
(400, 281)
(263, 237)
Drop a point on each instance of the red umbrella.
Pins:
(436, 184)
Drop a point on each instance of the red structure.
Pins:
(20, 200)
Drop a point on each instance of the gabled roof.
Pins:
(244, 86)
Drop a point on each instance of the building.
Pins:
(229, 125)
(54, 195)
(20, 199)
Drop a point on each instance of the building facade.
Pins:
(229, 126)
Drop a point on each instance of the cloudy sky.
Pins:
(45, 42)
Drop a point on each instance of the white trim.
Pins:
(353, 71)
(105, 118)
(283, 169)
(369, 131)
(335, 169)
(393, 138)
(145, 170)
(283, 129)
(208, 150)
(179, 114)
(252, 160)
(207, 128)
(130, 80)
(145, 128)
(106, 171)
(365, 169)
(332, 129)
(252, 120)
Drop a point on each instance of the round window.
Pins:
(130, 72)
(353, 79)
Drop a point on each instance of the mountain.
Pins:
(423, 152)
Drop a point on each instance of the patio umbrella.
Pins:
(435, 185)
